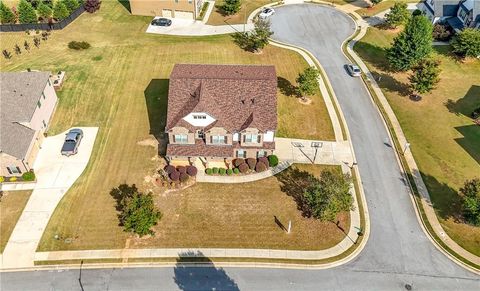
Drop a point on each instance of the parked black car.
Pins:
(72, 142)
(161, 22)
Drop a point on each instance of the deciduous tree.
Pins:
(231, 7)
(424, 76)
(471, 201)
(307, 81)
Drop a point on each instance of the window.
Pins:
(252, 138)
(196, 116)
(241, 154)
(180, 138)
(39, 104)
(261, 154)
(218, 139)
(14, 170)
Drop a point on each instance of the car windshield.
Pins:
(357, 70)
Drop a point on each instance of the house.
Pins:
(185, 9)
(220, 112)
(27, 102)
(458, 13)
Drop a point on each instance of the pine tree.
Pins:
(398, 15)
(60, 11)
(44, 11)
(412, 44)
(231, 7)
(26, 13)
(71, 5)
(425, 76)
(6, 14)
(467, 43)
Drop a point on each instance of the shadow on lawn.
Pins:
(467, 104)
(470, 141)
(203, 276)
(126, 4)
(156, 96)
(373, 54)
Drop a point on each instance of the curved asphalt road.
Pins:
(397, 252)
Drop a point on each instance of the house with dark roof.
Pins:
(459, 14)
(220, 112)
(27, 103)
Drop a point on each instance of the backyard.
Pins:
(120, 84)
(444, 140)
(11, 207)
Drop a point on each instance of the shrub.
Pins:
(215, 170)
(260, 167)
(441, 32)
(78, 45)
(60, 11)
(192, 171)
(222, 171)
(471, 201)
(238, 161)
(229, 172)
(272, 160)
(169, 169)
(182, 169)
(26, 13)
(263, 160)
(92, 5)
(243, 168)
(44, 11)
(208, 171)
(2, 179)
(71, 5)
(467, 43)
(251, 162)
(236, 171)
(231, 7)
(175, 176)
(184, 177)
(13, 179)
(28, 176)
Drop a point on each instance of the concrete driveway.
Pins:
(188, 27)
(55, 175)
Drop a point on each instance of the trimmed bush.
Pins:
(229, 172)
(78, 45)
(264, 160)
(175, 176)
(182, 169)
(215, 170)
(13, 179)
(208, 171)
(184, 177)
(251, 162)
(28, 176)
(222, 171)
(272, 160)
(2, 179)
(238, 161)
(192, 171)
(260, 167)
(169, 169)
(236, 171)
(243, 168)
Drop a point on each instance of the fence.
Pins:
(43, 26)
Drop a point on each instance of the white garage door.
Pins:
(183, 14)
(167, 13)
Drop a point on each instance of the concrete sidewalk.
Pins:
(301, 151)
(55, 175)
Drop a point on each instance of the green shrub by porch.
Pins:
(208, 171)
(215, 170)
(229, 172)
(236, 171)
(272, 160)
(222, 171)
(28, 176)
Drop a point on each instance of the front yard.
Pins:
(248, 6)
(444, 140)
(120, 84)
(11, 207)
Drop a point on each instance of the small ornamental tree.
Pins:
(169, 169)
(238, 161)
(182, 169)
(174, 176)
(307, 81)
(44, 11)
(231, 7)
(251, 162)
(424, 76)
(243, 168)
(471, 201)
(92, 5)
(6, 14)
(26, 13)
(260, 167)
(441, 32)
(263, 160)
(329, 196)
(184, 177)
(140, 214)
(398, 14)
(71, 5)
(192, 171)
(467, 43)
(60, 11)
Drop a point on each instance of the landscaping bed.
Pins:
(240, 166)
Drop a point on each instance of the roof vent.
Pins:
(243, 101)
(253, 100)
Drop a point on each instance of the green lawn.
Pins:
(382, 6)
(120, 85)
(445, 142)
(248, 6)
(11, 207)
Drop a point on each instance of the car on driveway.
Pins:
(354, 70)
(72, 142)
(267, 12)
(161, 22)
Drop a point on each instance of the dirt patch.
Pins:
(148, 142)
(305, 101)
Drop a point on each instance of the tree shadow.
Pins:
(287, 88)
(120, 193)
(470, 142)
(156, 97)
(390, 84)
(194, 271)
(466, 104)
(373, 54)
(126, 4)
(293, 182)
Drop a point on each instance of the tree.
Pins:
(92, 5)
(44, 11)
(467, 43)
(71, 5)
(6, 14)
(329, 196)
(398, 14)
(60, 11)
(413, 44)
(255, 40)
(307, 81)
(425, 76)
(26, 13)
(231, 7)
(471, 201)
(375, 2)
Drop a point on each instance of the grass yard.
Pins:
(120, 85)
(11, 208)
(248, 6)
(444, 141)
(380, 7)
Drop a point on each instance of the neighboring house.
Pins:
(219, 112)
(27, 103)
(186, 9)
(458, 13)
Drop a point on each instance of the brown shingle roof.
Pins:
(237, 96)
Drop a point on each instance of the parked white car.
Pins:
(267, 12)
(354, 70)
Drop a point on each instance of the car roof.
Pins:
(71, 135)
